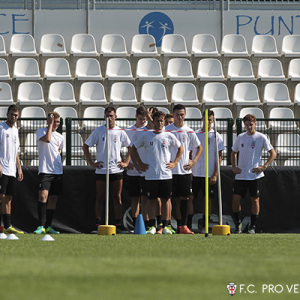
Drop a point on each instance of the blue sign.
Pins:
(157, 24)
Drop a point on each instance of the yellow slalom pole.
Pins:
(206, 173)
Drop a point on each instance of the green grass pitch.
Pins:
(149, 267)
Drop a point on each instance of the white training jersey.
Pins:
(199, 169)
(49, 157)
(250, 149)
(157, 149)
(9, 146)
(188, 140)
(117, 140)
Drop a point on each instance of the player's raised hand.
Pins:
(50, 120)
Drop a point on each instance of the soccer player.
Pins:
(117, 139)
(182, 185)
(249, 170)
(135, 188)
(169, 119)
(50, 144)
(158, 168)
(9, 162)
(199, 170)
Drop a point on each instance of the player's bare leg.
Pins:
(236, 209)
(254, 213)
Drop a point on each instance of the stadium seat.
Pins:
(276, 94)
(30, 93)
(288, 145)
(246, 94)
(68, 112)
(4, 71)
(291, 46)
(92, 93)
(154, 93)
(292, 162)
(88, 69)
(123, 93)
(3, 112)
(57, 69)
(125, 113)
(149, 69)
(210, 69)
(297, 94)
(163, 109)
(204, 45)
(174, 45)
(61, 93)
(22, 45)
(26, 69)
(270, 70)
(184, 93)
(33, 112)
(93, 113)
(192, 117)
(180, 69)
(113, 45)
(240, 70)
(53, 45)
(2, 46)
(215, 94)
(282, 113)
(294, 70)
(83, 45)
(234, 45)
(30, 146)
(221, 113)
(6, 97)
(258, 113)
(76, 144)
(118, 69)
(143, 45)
(264, 45)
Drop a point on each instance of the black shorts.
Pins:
(240, 187)
(159, 188)
(8, 185)
(143, 186)
(51, 183)
(134, 186)
(198, 184)
(112, 177)
(182, 185)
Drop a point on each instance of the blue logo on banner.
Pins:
(157, 24)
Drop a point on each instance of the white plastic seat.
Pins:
(297, 94)
(291, 46)
(53, 45)
(57, 69)
(276, 94)
(123, 93)
(180, 69)
(33, 112)
(222, 113)
(270, 70)
(210, 69)
(3, 112)
(92, 93)
(76, 144)
(2, 46)
(88, 69)
(118, 69)
(83, 45)
(4, 71)
(93, 113)
(149, 69)
(30, 146)
(154, 93)
(174, 45)
(292, 162)
(234, 45)
(240, 70)
(193, 113)
(282, 113)
(22, 45)
(68, 112)
(294, 70)
(215, 93)
(30, 93)
(6, 97)
(288, 145)
(61, 93)
(143, 45)
(26, 69)
(204, 45)
(164, 109)
(258, 113)
(264, 45)
(184, 93)
(246, 93)
(113, 45)
(125, 113)
(34, 162)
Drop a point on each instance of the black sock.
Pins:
(179, 223)
(42, 207)
(147, 224)
(158, 220)
(237, 218)
(98, 221)
(49, 217)
(133, 221)
(151, 222)
(184, 211)
(165, 223)
(253, 220)
(6, 220)
(190, 221)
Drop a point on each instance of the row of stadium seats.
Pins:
(144, 45)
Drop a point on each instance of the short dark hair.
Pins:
(14, 108)
(209, 113)
(55, 114)
(158, 114)
(249, 118)
(141, 110)
(109, 109)
(169, 116)
(179, 107)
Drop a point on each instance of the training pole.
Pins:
(206, 173)
(107, 175)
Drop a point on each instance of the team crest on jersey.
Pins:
(242, 145)
(253, 144)
(115, 139)
(151, 143)
(103, 138)
(183, 139)
(164, 143)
